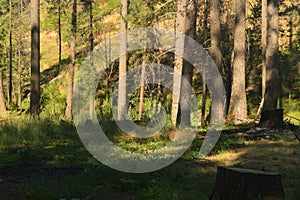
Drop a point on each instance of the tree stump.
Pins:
(271, 119)
(246, 184)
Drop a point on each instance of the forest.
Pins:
(141, 99)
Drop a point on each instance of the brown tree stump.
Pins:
(246, 184)
(271, 119)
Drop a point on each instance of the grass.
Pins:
(292, 111)
(44, 159)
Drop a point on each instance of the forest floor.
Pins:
(63, 169)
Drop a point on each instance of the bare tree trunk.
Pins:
(215, 31)
(20, 58)
(215, 52)
(72, 62)
(291, 32)
(264, 23)
(2, 98)
(123, 63)
(142, 89)
(9, 96)
(272, 72)
(179, 44)
(203, 106)
(59, 34)
(35, 58)
(204, 88)
(92, 102)
(264, 18)
(238, 95)
(185, 24)
(159, 88)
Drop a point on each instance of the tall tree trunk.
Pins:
(59, 34)
(72, 62)
(20, 58)
(203, 105)
(179, 44)
(238, 95)
(123, 62)
(215, 52)
(291, 32)
(215, 31)
(264, 24)
(2, 98)
(142, 89)
(272, 72)
(92, 102)
(185, 24)
(10, 55)
(186, 87)
(204, 88)
(35, 58)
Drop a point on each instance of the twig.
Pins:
(293, 117)
(297, 136)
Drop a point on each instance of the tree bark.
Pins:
(142, 89)
(35, 58)
(72, 62)
(246, 184)
(9, 96)
(215, 31)
(59, 34)
(92, 101)
(264, 23)
(122, 93)
(20, 58)
(186, 87)
(215, 52)
(203, 106)
(272, 119)
(2, 98)
(272, 72)
(238, 95)
(185, 24)
(204, 88)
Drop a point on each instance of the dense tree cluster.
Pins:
(254, 44)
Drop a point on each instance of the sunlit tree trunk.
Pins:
(215, 31)
(204, 88)
(92, 101)
(9, 96)
(20, 58)
(185, 24)
(35, 58)
(2, 98)
(142, 89)
(123, 63)
(59, 34)
(215, 52)
(238, 95)
(186, 87)
(179, 44)
(264, 21)
(72, 62)
(272, 67)
(264, 16)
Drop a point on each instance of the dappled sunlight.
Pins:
(228, 158)
(276, 156)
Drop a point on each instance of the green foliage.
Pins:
(28, 131)
(53, 100)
